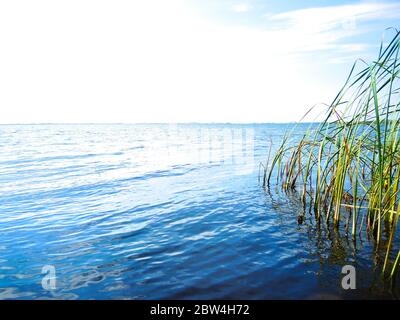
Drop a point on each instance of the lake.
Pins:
(158, 211)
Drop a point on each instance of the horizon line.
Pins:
(150, 123)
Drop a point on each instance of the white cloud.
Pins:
(326, 18)
(319, 27)
(241, 7)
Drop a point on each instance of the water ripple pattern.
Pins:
(129, 212)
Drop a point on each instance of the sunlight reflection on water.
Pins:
(150, 211)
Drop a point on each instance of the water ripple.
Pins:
(120, 215)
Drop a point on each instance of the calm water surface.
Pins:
(162, 212)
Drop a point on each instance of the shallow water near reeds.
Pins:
(164, 212)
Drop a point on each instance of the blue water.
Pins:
(162, 212)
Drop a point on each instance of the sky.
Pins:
(98, 61)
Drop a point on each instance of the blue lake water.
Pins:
(162, 212)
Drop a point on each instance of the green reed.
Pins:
(349, 165)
